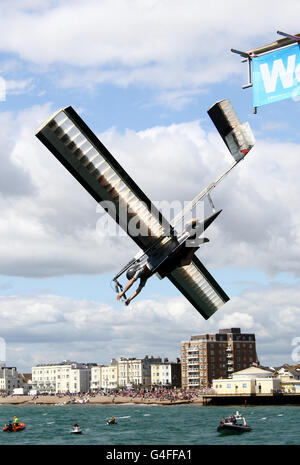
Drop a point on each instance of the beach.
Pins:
(94, 399)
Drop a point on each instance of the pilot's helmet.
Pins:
(131, 271)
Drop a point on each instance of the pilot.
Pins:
(134, 273)
(182, 257)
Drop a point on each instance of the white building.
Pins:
(135, 372)
(96, 378)
(62, 377)
(252, 380)
(110, 376)
(290, 378)
(104, 377)
(9, 379)
(166, 374)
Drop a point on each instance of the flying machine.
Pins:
(166, 250)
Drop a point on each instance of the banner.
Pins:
(276, 75)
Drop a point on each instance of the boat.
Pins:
(231, 425)
(76, 431)
(111, 422)
(10, 428)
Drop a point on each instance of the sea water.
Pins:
(148, 424)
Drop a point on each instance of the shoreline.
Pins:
(93, 400)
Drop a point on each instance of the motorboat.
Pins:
(11, 428)
(112, 421)
(76, 431)
(235, 424)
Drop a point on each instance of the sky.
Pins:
(142, 75)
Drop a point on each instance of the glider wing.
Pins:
(199, 287)
(73, 143)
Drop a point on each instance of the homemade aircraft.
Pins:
(73, 143)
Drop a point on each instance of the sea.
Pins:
(148, 425)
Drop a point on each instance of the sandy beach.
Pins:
(97, 399)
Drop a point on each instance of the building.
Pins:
(209, 356)
(252, 380)
(109, 376)
(133, 372)
(62, 377)
(290, 378)
(167, 374)
(9, 379)
(96, 378)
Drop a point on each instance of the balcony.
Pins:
(229, 362)
(230, 369)
(229, 349)
(229, 355)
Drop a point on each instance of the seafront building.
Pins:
(109, 376)
(104, 377)
(290, 378)
(209, 356)
(166, 374)
(135, 372)
(9, 379)
(252, 380)
(62, 377)
(96, 377)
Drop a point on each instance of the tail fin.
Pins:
(237, 136)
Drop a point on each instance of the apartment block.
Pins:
(209, 356)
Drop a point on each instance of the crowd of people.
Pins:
(169, 394)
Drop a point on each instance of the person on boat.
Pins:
(16, 421)
(76, 426)
(9, 426)
(112, 421)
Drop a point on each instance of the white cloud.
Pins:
(161, 44)
(44, 207)
(17, 87)
(51, 328)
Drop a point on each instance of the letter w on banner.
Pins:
(276, 75)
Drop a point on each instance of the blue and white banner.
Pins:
(276, 75)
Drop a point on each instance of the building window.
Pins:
(228, 386)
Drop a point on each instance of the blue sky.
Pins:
(144, 85)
